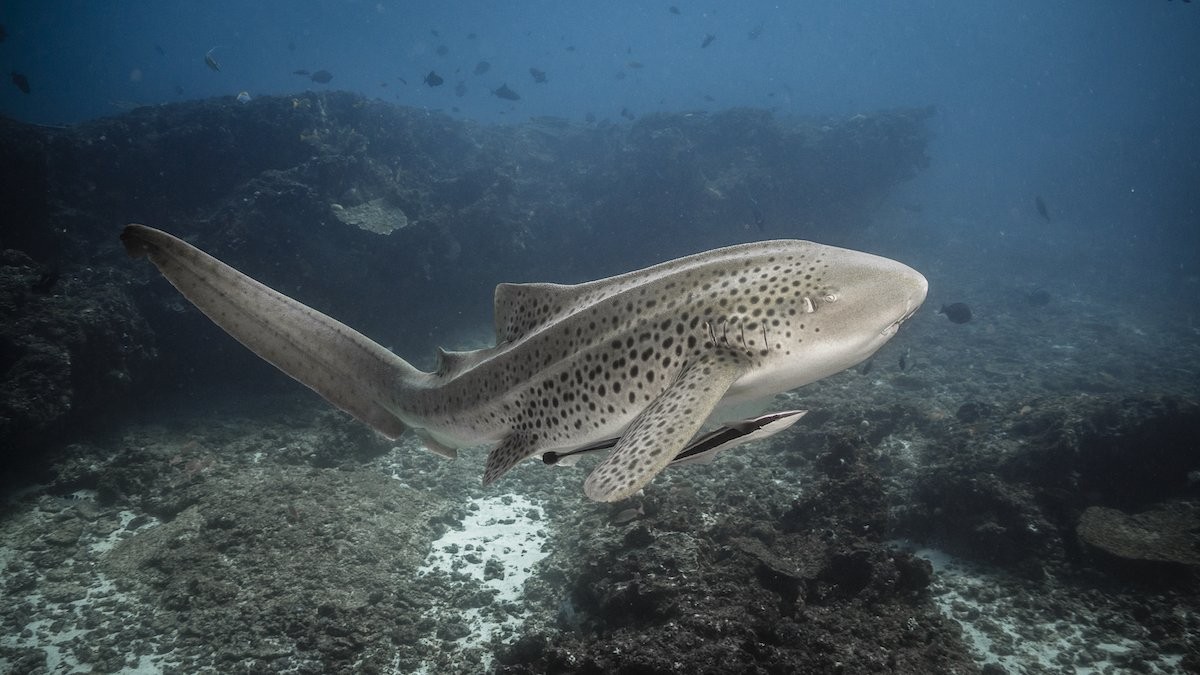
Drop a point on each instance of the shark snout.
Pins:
(914, 287)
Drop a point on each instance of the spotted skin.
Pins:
(664, 427)
(647, 355)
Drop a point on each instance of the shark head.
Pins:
(850, 304)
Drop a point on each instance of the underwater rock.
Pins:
(1167, 534)
(376, 215)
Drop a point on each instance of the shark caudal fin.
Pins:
(339, 363)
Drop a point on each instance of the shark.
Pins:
(637, 362)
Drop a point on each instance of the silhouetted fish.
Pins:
(903, 361)
(627, 114)
(1041, 207)
(482, 67)
(301, 72)
(21, 81)
(1038, 297)
(211, 61)
(505, 93)
(866, 367)
(957, 312)
(158, 48)
(708, 40)
(634, 65)
(760, 220)
(321, 77)
(443, 50)
(673, 9)
(754, 32)
(45, 281)
(433, 79)
(539, 76)
(460, 89)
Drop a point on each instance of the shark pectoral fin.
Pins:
(514, 448)
(339, 363)
(664, 428)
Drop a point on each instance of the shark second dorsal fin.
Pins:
(665, 427)
(450, 363)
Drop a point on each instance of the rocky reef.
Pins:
(397, 220)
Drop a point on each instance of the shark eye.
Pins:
(832, 297)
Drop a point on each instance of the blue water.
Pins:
(1093, 105)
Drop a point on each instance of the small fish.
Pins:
(760, 220)
(211, 61)
(628, 515)
(674, 10)
(158, 48)
(634, 65)
(620, 75)
(627, 114)
(539, 76)
(442, 50)
(755, 32)
(472, 36)
(433, 79)
(957, 312)
(1040, 204)
(1038, 297)
(460, 89)
(865, 368)
(708, 40)
(21, 81)
(903, 361)
(321, 77)
(482, 67)
(434, 32)
(301, 72)
(45, 281)
(403, 81)
(505, 93)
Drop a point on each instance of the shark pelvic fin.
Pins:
(339, 363)
(514, 448)
(665, 427)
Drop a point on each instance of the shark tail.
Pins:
(349, 370)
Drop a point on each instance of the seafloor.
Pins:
(1012, 495)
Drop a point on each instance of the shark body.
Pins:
(645, 357)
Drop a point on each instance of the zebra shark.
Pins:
(644, 357)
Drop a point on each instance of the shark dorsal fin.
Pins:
(523, 308)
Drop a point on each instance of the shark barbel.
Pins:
(644, 358)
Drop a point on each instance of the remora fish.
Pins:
(703, 448)
(645, 356)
